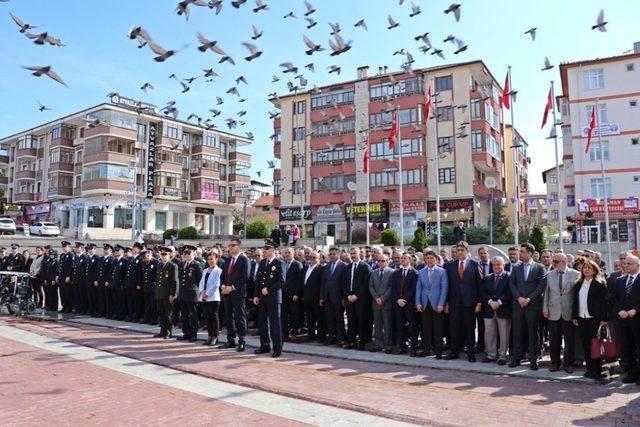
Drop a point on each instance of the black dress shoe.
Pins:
(413, 353)
(339, 344)
(159, 335)
(471, 357)
(487, 360)
(349, 346)
(183, 338)
(208, 342)
(451, 356)
(193, 339)
(514, 363)
(629, 379)
(502, 362)
(533, 365)
(240, 346)
(262, 350)
(228, 344)
(438, 355)
(276, 354)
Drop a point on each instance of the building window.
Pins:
(445, 144)
(475, 109)
(410, 148)
(391, 179)
(554, 196)
(40, 161)
(297, 187)
(477, 140)
(107, 171)
(300, 107)
(332, 183)
(161, 221)
(594, 79)
(594, 151)
(298, 134)
(337, 155)
(347, 125)
(444, 114)
(553, 179)
(636, 179)
(77, 181)
(402, 87)
(630, 67)
(554, 215)
(447, 175)
(172, 131)
(142, 132)
(79, 156)
(277, 187)
(597, 190)
(444, 83)
(277, 135)
(335, 97)
(299, 161)
(602, 114)
(223, 194)
(384, 120)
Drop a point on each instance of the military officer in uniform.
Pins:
(115, 286)
(104, 272)
(92, 269)
(133, 284)
(63, 278)
(190, 275)
(149, 273)
(77, 279)
(166, 282)
(50, 285)
(268, 297)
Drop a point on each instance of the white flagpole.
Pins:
(604, 189)
(434, 107)
(368, 148)
(558, 180)
(400, 195)
(516, 205)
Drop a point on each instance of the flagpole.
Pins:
(558, 184)
(437, 162)
(367, 228)
(604, 188)
(400, 193)
(516, 205)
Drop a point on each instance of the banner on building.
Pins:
(451, 205)
(151, 158)
(292, 214)
(409, 206)
(617, 206)
(378, 212)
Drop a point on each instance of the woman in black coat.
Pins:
(590, 312)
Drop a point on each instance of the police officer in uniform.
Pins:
(190, 275)
(65, 273)
(3, 259)
(268, 297)
(78, 278)
(133, 284)
(91, 272)
(50, 284)
(149, 273)
(166, 283)
(104, 272)
(12, 260)
(116, 308)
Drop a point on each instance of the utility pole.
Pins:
(558, 179)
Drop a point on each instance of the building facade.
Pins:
(89, 171)
(615, 84)
(553, 199)
(322, 135)
(517, 162)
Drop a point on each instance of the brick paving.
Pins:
(419, 395)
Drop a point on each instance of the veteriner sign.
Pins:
(378, 212)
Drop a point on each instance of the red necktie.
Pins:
(495, 284)
(461, 269)
(233, 262)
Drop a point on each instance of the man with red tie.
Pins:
(403, 296)
(233, 280)
(484, 267)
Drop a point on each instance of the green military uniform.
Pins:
(166, 283)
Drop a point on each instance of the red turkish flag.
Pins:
(428, 104)
(394, 132)
(506, 97)
(366, 159)
(592, 126)
(547, 108)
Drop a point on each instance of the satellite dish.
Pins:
(352, 186)
(490, 182)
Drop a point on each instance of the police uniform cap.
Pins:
(65, 243)
(90, 245)
(268, 243)
(189, 248)
(3, 249)
(107, 246)
(118, 248)
(79, 245)
(15, 246)
(144, 252)
(138, 245)
(165, 249)
(127, 248)
(53, 252)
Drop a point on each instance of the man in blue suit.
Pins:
(496, 297)
(431, 296)
(331, 297)
(268, 298)
(463, 302)
(233, 287)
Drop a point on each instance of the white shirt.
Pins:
(354, 265)
(308, 273)
(527, 268)
(583, 308)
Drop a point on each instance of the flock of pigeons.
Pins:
(337, 46)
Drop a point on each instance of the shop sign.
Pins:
(292, 214)
(133, 104)
(172, 192)
(409, 206)
(607, 129)
(210, 195)
(451, 205)
(328, 212)
(151, 158)
(206, 211)
(38, 209)
(378, 211)
(616, 206)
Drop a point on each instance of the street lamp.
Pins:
(134, 189)
(491, 183)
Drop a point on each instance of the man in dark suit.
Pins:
(64, 277)
(166, 283)
(403, 298)
(268, 298)
(133, 283)
(312, 281)
(332, 297)
(149, 277)
(496, 298)
(190, 275)
(291, 295)
(252, 310)
(116, 308)
(463, 302)
(92, 269)
(527, 283)
(78, 279)
(358, 302)
(104, 274)
(626, 299)
(233, 280)
(514, 258)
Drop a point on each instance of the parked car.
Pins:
(44, 229)
(7, 225)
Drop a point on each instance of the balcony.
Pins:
(108, 157)
(205, 196)
(61, 142)
(205, 173)
(277, 146)
(483, 191)
(205, 149)
(97, 186)
(235, 200)
(167, 192)
(26, 152)
(334, 168)
(119, 132)
(4, 180)
(4, 159)
(167, 166)
(486, 163)
(61, 166)
(58, 192)
(242, 160)
(24, 197)
(28, 174)
(236, 177)
(329, 198)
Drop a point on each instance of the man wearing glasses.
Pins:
(557, 307)
(233, 287)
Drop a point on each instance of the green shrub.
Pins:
(167, 234)
(389, 237)
(257, 230)
(188, 233)
(536, 238)
(477, 235)
(419, 240)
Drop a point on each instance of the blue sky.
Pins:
(99, 58)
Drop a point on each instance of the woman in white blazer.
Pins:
(209, 291)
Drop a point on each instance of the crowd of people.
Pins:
(427, 303)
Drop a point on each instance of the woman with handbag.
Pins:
(590, 312)
(209, 288)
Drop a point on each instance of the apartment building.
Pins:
(516, 146)
(553, 199)
(322, 134)
(82, 171)
(613, 82)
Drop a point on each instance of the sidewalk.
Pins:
(319, 350)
